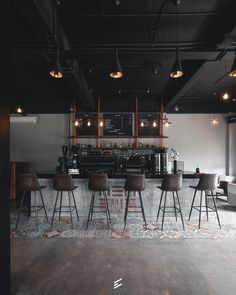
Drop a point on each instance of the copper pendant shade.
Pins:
(232, 72)
(56, 70)
(116, 71)
(177, 70)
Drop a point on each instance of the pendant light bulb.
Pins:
(116, 72)
(142, 124)
(89, 123)
(76, 123)
(101, 123)
(154, 124)
(232, 72)
(177, 70)
(225, 96)
(19, 110)
(214, 121)
(56, 70)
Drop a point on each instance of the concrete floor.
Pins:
(90, 266)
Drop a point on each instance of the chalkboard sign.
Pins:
(117, 124)
(87, 124)
(149, 124)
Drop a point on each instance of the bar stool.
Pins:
(207, 182)
(98, 183)
(171, 183)
(134, 183)
(64, 183)
(29, 183)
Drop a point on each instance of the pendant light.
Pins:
(116, 72)
(214, 121)
(166, 122)
(177, 70)
(225, 95)
(142, 124)
(101, 123)
(76, 123)
(19, 110)
(56, 70)
(154, 124)
(232, 72)
(89, 123)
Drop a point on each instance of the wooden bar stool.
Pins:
(98, 183)
(64, 183)
(207, 183)
(29, 183)
(134, 183)
(171, 183)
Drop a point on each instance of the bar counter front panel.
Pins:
(117, 195)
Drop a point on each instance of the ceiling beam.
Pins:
(42, 15)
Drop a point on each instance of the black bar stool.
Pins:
(29, 183)
(98, 183)
(171, 183)
(207, 182)
(134, 183)
(63, 183)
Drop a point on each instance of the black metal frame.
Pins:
(199, 208)
(71, 207)
(29, 207)
(91, 209)
(127, 209)
(176, 209)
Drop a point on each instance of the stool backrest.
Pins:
(207, 182)
(63, 182)
(135, 183)
(28, 182)
(98, 182)
(172, 182)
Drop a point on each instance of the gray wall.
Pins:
(232, 149)
(192, 135)
(39, 144)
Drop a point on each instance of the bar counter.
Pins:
(117, 195)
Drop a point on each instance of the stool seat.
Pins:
(64, 183)
(171, 183)
(207, 183)
(98, 183)
(28, 183)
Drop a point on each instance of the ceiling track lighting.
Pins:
(225, 96)
(56, 70)
(116, 72)
(176, 108)
(232, 72)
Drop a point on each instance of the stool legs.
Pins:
(60, 206)
(44, 208)
(164, 211)
(54, 210)
(19, 212)
(206, 206)
(194, 196)
(142, 208)
(91, 209)
(159, 209)
(217, 215)
(71, 219)
(177, 209)
(76, 210)
(126, 209)
(36, 210)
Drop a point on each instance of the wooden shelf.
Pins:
(117, 136)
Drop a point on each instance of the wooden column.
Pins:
(4, 196)
(136, 124)
(99, 128)
(161, 123)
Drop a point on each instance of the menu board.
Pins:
(149, 124)
(117, 124)
(87, 124)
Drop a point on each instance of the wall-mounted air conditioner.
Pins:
(33, 119)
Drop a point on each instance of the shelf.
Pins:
(117, 136)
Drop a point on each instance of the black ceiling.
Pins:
(87, 33)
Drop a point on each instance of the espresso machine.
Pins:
(73, 160)
(63, 161)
